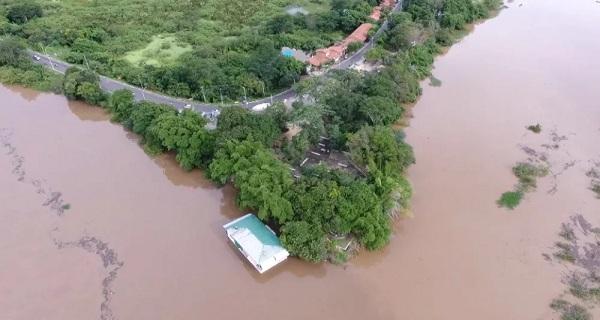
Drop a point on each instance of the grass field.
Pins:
(160, 51)
(181, 46)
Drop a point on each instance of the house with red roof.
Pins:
(332, 54)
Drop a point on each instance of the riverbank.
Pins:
(165, 223)
(311, 225)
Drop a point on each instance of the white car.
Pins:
(36, 57)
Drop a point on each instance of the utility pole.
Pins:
(48, 57)
(203, 94)
(221, 93)
(142, 85)
(86, 62)
(245, 97)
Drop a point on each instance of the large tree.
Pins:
(304, 240)
(121, 104)
(237, 123)
(262, 179)
(12, 52)
(185, 134)
(23, 12)
(379, 148)
(83, 85)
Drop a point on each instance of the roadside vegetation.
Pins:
(17, 68)
(321, 211)
(192, 49)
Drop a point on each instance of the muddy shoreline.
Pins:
(145, 238)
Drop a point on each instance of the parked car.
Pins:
(36, 57)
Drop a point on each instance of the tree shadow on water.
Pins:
(86, 112)
(180, 177)
(28, 94)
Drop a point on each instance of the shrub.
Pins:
(354, 46)
(537, 128)
(304, 240)
(510, 199)
(444, 37)
(121, 104)
(23, 12)
(569, 311)
(528, 174)
(596, 189)
(83, 85)
(12, 52)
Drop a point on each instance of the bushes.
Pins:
(16, 68)
(377, 148)
(421, 57)
(527, 173)
(457, 13)
(510, 199)
(164, 129)
(23, 12)
(354, 46)
(144, 114)
(304, 240)
(12, 52)
(402, 32)
(32, 76)
(121, 104)
(260, 178)
(237, 123)
(185, 134)
(83, 85)
(224, 54)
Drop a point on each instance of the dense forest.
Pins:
(199, 49)
(322, 206)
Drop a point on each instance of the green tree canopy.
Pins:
(83, 85)
(23, 12)
(185, 134)
(237, 123)
(144, 113)
(12, 52)
(121, 105)
(259, 176)
(378, 148)
(304, 240)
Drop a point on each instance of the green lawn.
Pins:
(160, 51)
(186, 48)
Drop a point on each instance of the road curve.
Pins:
(140, 94)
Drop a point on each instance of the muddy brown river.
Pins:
(93, 228)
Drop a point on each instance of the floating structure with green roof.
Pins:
(256, 241)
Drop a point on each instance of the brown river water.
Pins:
(93, 228)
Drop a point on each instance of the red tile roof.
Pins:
(326, 55)
(359, 35)
(376, 14)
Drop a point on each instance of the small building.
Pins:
(256, 241)
(385, 4)
(327, 55)
(360, 34)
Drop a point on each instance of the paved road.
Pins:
(111, 85)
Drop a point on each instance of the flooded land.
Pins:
(91, 227)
